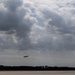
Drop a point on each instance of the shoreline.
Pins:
(37, 72)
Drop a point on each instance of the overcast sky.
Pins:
(42, 29)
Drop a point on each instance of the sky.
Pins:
(42, 29)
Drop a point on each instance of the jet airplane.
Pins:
(25, 56)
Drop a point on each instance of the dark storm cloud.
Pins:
(13, 22)
(10, 19)
(12, 5)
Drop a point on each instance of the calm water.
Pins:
(37, 72)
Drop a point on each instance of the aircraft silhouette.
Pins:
(25, 56)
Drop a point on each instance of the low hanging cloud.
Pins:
(37, 25)
(14, 25)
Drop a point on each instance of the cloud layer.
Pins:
(26, 25)
(38, 26)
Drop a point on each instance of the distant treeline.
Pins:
(34, 68)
